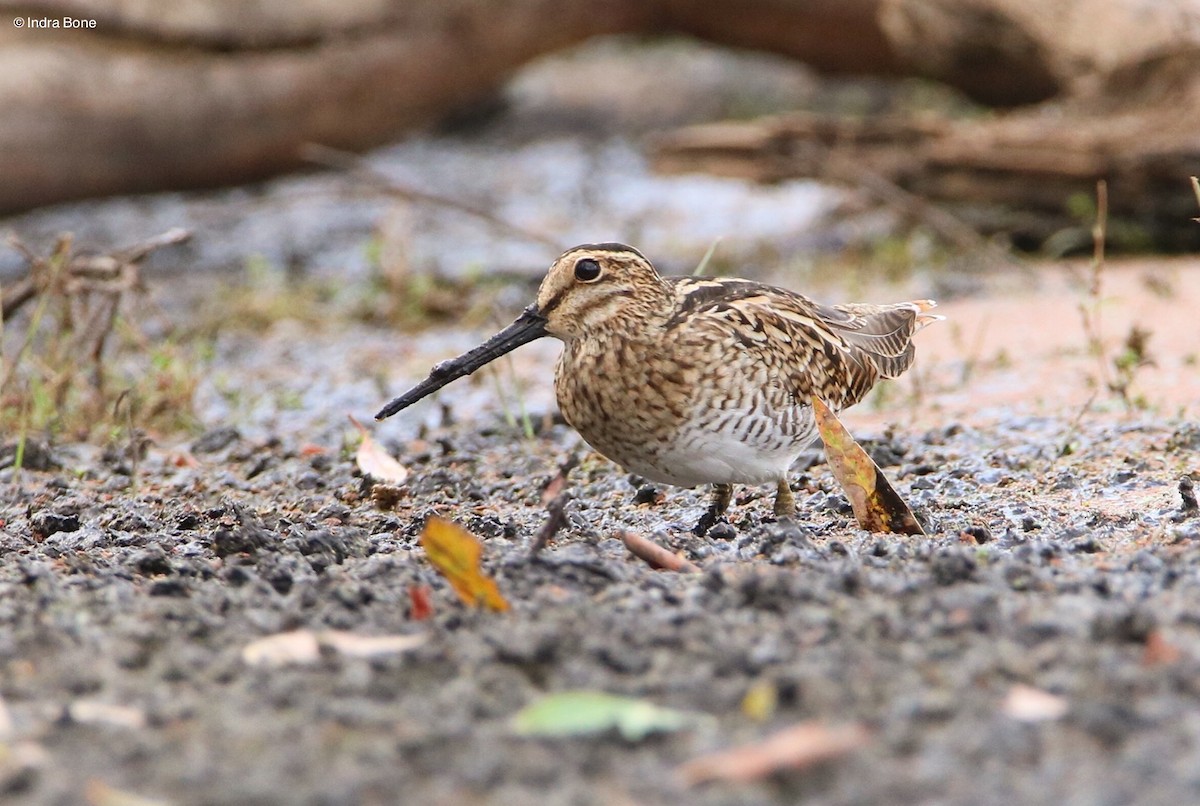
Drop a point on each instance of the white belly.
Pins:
(748, 451)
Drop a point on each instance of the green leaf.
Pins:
(588, 713)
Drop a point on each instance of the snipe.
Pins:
(695, 380)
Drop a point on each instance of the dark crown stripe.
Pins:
(608, 246)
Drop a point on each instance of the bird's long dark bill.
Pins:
(530, 325)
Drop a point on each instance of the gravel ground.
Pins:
(125, 613)
(1063, 556)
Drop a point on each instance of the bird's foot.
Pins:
(722, 495)
(717, 527)
(785, 502)
(708, 521)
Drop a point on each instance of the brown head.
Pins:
(594, 285)
(588, 287)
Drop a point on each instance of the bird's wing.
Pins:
(881, 333)
(801, 347)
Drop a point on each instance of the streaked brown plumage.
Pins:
(693, 380)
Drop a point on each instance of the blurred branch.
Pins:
(358, 167)
(110, 274)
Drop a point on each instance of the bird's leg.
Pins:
(722, 495)
(785, 502)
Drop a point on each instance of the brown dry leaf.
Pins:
(456, 552)
(7, 730)
(353, 645)
(183, 458)
(420, 606)
(877, 505)
(1029, 704)
(1159, 651)
(794, 748)
(282, 649)
(376, 462)
(304, 646)
(99, 793)
(94, 712)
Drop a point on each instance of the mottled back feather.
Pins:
(837, 352)
(883, 333)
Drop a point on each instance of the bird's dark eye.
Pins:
(587, 269)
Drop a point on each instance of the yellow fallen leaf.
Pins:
(374, 461)
(794, 748)
(761, 700)
(456, 552)
(877, 505)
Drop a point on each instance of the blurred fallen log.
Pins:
(202, 93)
(133, 104)
(1016, 174)
(1119, 86)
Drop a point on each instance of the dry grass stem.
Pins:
(58, 373)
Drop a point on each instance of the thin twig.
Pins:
(944, 223)
(656, 556)
(556, 519)
(22, 437)
(140, 251)
(974, 354)
(360, 168)
(54, 265)
(702, 266)
(16, 296)
(557, 484)
(1073, 429)
(135, 447)
(1099, 229)
(1092, 320)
